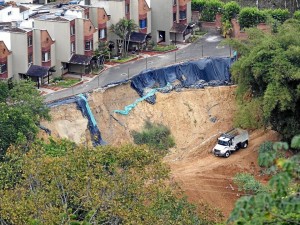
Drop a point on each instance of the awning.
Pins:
(178, 28)
(80, 59)
(38, 71)
(138, 37)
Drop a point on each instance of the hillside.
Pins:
(195, 118)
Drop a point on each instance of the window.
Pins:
(29, 41)
(9, 13)
(182, 15)
(143, 23)
(73, 47)
(174, 2)
(102, 33)
(127, 9)
(174, 16)
(88, 45)
(72, 30)
(3, 68)
(30, 58)
(46, 56)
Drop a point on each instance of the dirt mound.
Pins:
(195, 117)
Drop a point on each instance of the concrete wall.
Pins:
(37, 48)
(79, 26)
(20, 53)
(10, 68)
(189, 12)
(162, 18)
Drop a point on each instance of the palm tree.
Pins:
(123, 30)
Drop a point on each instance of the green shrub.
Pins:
(56, 79)
(164, 48)
(251, 16)
(230, 10)
(211, 8)
(246, 182)
(297, 15)
(198, 5)
(266, 154)
(280, 15)
(156, 136)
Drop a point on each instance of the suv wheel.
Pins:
(245, 144)
(227, 154)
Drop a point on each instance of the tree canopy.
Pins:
(123, 30)
(21, 109)
(268, 78)
(104, 185)
(279, 202)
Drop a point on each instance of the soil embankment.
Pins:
(195, 117)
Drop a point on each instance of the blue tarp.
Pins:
(83, 104)
(193, 74)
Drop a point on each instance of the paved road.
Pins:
(204, 47)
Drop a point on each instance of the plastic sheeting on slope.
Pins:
(149, 94)
(86, 111)
(193, 74)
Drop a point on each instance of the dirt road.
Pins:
(206, 178)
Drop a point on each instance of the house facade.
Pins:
(72, 36)
(100, 18)
(170, 20)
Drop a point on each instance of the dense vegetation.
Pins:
(267, 74)
(21, 109)
(278, 202)
(78, 185)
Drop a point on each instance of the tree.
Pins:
(268, 78)
(230, 10)
(21, 109)
(103, 49)
(104, 185)
(123, 30)
(279, 205)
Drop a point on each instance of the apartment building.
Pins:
(170, 20)
(5, 61)
(26, 48)
(137, 10)
(73, 36)
(13, 12)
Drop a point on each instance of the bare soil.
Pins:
(196, 117)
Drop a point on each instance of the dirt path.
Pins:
(207, 178)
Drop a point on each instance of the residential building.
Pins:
(170, 20)
(28, 47)
(72, 36)
(12, 12)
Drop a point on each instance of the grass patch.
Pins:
(66, 82)
(199, 33)
(164, 48)
(124, 60)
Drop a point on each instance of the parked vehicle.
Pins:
(231, 141)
